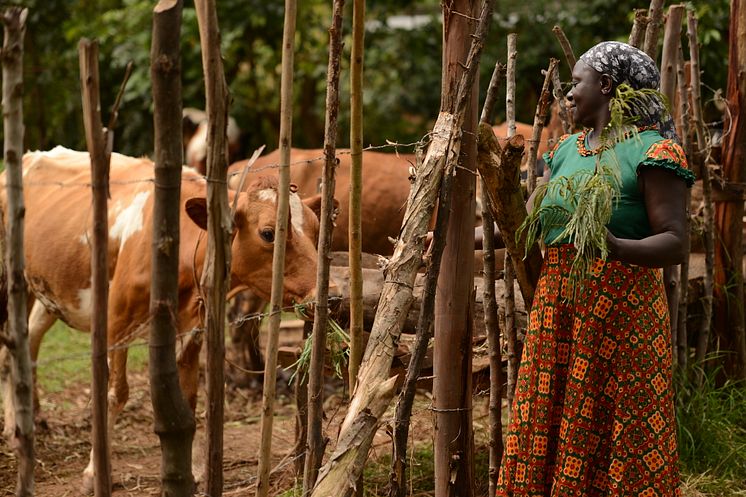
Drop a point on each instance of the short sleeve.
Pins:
(668, 154)
(548, 156)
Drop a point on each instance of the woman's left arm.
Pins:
(665, 201)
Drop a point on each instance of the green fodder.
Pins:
(712, 435)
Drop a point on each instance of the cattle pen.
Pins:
(363, 312)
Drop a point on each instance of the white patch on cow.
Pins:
(296, 213)
(196, 150)
(79, 315)
(85, 239)
(130, 219)
(267, 195)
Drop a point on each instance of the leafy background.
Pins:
(402, 67)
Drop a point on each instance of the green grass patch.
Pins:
(65, 358)
(712, 436)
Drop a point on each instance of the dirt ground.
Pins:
(63, 447)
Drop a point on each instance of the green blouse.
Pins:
(629, 218)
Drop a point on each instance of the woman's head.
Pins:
(598, 73)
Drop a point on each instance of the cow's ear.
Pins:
(196, 209)
(314, 203)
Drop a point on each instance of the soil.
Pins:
(63, 446)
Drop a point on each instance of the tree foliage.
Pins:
(402, 66)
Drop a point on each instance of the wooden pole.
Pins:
(217, 268)
(316, 443)
(655, 16)
(452, 395)
(356, 189)
(540, 118)
(278, 260)
(100, 153)
(22, 433)
(559, 98)
(301, 414)
(703, 337)
(174, 419)
(566, 47)
(682, 344)
(729, 324)
(669, 64)
(375, 389)
(637, 35)
(490, 307)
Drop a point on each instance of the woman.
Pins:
(593, 412)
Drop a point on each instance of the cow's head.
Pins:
(254, 235)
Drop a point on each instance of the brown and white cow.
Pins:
(58, 254)
(194, 129)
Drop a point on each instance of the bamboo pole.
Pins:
(703, 336)
(173, 417)
(278, 260)
(316, 443)
(540, 118)
(22, 433)
(566, 47)
(637, 35)
(216, 273)
(100, 153)
(681, 342)
(375, 389)
(655, 16)
(729, 324)
(669, 63)
(490, 307)
(356, 190)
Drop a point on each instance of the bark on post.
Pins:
(566, 47)
(22, 433)
(301, 414)
(452, 392)
(703, 337)
(216, 273)
(425, 323)
(278, 257)
(356, 191)
(375, 389)
(729, 324)
(540, 119)
(637, 34)
(655, 16)
(174, 419)
(559, 98)
(669, 64)
(316, 443)
(490, 310)
(97, 140)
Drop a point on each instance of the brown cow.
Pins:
(385, 190)
(58, 259)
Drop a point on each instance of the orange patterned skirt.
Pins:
(593, 412)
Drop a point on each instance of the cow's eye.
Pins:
(268, 235)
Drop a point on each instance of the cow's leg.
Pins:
(244, 351)
(120, 331)
(39, 323)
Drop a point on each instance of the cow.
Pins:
(194, 129)
(58, 256)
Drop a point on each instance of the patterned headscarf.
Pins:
(627, 64)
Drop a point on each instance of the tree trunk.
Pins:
(22, 438)
(374, 392)
(316, 443)
(729, 319)
(278, 256)
(174, 420)
(100, 153)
